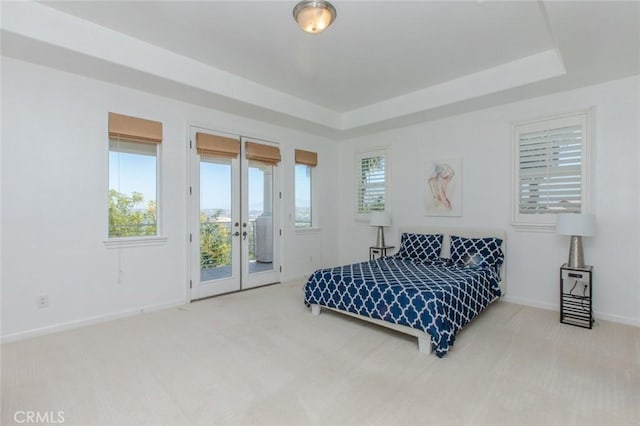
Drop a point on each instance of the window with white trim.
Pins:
(133, 176)
(371, 181)
(304, 202)
(552, 169)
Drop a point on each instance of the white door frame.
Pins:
(200, 289)
(257, 279)
(240, 278)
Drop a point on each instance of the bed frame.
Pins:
(424, 340)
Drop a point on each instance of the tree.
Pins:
(126, 219)
(215, 244)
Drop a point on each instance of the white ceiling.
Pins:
(380, 65)
(396, 48)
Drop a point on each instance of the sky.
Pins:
(133, 172)
(215, 186)
(303, 187)
(136, 172)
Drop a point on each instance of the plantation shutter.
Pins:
(550, 170)
(134, 129)
(217, 146)
(267, 154)
(308, 158)
(371, 190)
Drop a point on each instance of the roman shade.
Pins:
(264, 153)
(134, 129)
(218, 146)
(308, 158)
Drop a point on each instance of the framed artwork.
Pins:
(443, 188)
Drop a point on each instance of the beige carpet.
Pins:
(260, 357)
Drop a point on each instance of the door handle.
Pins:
(244, 235)
(235, 234)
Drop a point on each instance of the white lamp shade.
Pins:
(583, 225)
(380, 219)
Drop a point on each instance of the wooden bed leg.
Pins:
(315, 310)
(424, 344)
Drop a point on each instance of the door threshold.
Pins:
(235, 291)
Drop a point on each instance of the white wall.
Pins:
(54, 201)
(54, 205)
(483, 140)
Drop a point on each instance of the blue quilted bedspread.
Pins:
(437, 297)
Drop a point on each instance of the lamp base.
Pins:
(380, 240)
(576, 255)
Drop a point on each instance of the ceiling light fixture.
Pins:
(314, 17)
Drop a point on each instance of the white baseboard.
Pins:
(532, 303)
(55, 328)
(556, 307)
(297, 278)
(291, 281)
(616, 318)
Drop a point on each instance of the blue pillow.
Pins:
(420, 247)
(479, 252)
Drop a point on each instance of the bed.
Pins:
(430, 289)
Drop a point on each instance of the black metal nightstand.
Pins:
(378, 251)
(575, 296)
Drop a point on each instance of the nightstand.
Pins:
(378, 251)
(575, 296)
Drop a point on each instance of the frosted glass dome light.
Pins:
(313, 17)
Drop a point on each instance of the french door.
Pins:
(234, 226)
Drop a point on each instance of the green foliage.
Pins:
(215, 241)
(126, 220)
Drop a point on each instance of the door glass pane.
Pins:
(215, 218)
(260, 209)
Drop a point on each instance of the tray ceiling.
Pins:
(380, 65)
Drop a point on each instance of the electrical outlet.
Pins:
(42, 301)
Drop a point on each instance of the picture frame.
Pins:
(443, 187)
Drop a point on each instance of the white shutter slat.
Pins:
(550, 170)
(371, 182)
(574, 131)
(564, 171)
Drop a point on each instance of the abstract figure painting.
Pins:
(443, 192)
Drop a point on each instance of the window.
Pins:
(304, 205)
(303, 196)
(551, 165)
(371, 181)
(133, 172)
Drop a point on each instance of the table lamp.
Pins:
(380, 219)
(578, 226)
